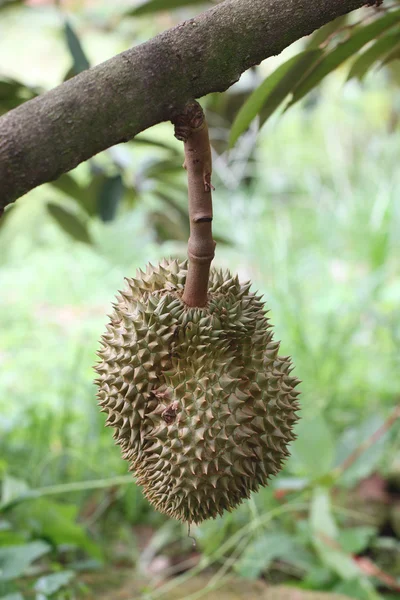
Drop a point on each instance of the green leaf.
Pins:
(13, 93)
(393, 55)
(174, 204)
(161, 5)
(8, 3)
(146, 141)
(166, 228)
(90, 197)
(14, 560)
(12, 597)
(70, 223)
(271, 93)
(11, 538)
(12, 488)
(49, 584)
(260, 553)
(212, 533)
(6, 216)
(80, 62)
(68, 185)
(154, 168)
(314, 448)
(318, 577)
(111, 194)
(360, 589)
(381, 47)
(356, 539)
(325, 537)
(369, 461)
(342, 52)
(323, 33)
(321, 518)
(55, 522)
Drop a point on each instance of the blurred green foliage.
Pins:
(305, 208)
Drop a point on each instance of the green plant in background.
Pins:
(311, 206)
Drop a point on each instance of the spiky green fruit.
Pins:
(202, 405)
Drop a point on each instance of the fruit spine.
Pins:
(190, 377)
(202, 405)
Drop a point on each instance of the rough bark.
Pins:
(145, 85)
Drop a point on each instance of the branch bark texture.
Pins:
(147, 84)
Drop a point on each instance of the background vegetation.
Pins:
(304, 207)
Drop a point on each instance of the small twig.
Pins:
(191, 128)
(373, 439)
(372, 570)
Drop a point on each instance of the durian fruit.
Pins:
(202, 405)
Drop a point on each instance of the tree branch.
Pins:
(145, 85)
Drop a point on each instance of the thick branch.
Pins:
(150, 83)
(191, 127)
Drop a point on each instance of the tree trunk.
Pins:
(145, 85)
